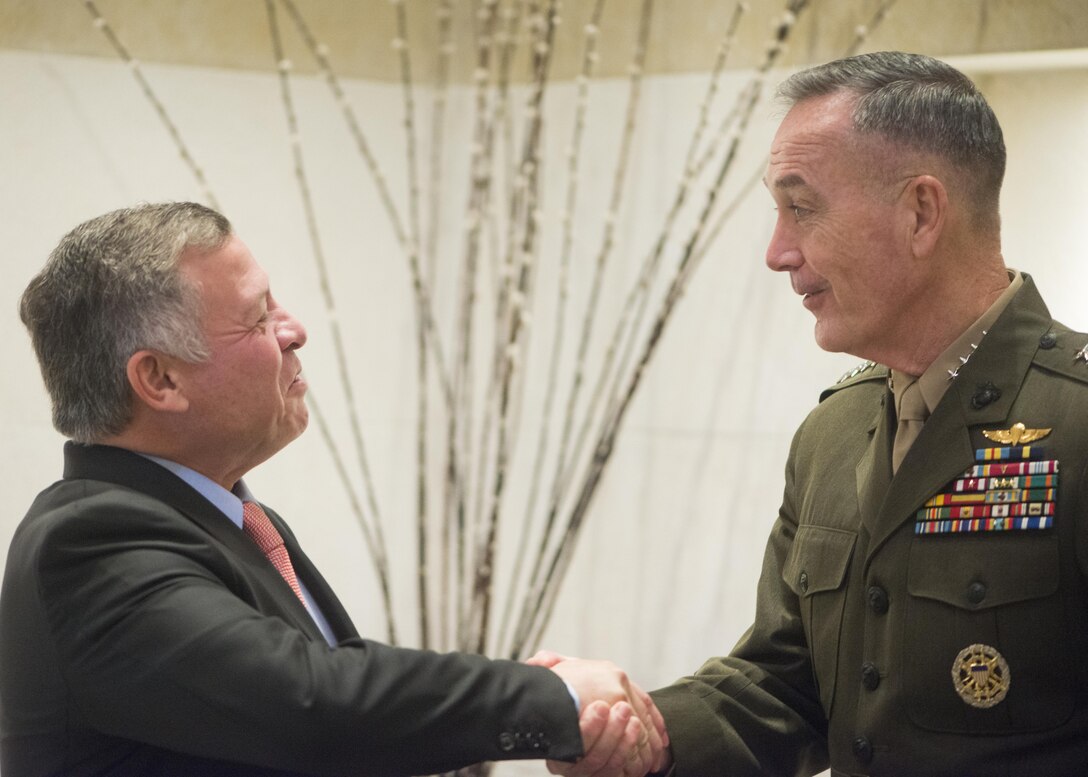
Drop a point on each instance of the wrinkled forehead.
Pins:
(824, 119)
(817, 137)
(801, 150)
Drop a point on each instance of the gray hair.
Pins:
(920, 103)
(111, 288)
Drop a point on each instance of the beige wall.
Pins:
(686, 34)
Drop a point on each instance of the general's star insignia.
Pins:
(863, 367)
(1017, 435)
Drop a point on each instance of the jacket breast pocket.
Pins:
(815, 570)
(994, 590)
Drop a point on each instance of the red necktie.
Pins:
(255, 523)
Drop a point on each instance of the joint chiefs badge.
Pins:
(981, 676)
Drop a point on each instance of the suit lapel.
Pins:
(982, 396)
(941, 452)
(132, 471)
(324, 597)
(874, 469)
(290, 608)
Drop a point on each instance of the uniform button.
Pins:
(506, 741)
(870, 676)
(863, 750)
(802, 582)
(878, 599)
(976, 592)
(1048, 341)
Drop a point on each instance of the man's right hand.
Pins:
(623, 733)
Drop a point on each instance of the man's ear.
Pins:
(928, 200)
(154, 379)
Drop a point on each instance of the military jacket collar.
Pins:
(981, 394)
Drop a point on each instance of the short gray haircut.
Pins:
(920, 103)
(113, 287)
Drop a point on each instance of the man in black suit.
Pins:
(155, 619)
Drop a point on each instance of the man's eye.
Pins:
(797, 211)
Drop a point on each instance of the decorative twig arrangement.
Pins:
(538, 608)
(145, 87)
(467, 443)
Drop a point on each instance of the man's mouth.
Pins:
(811, 296)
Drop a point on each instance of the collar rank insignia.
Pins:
(981, 676)
(1010, 488)
(865, 366)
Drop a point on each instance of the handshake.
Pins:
(623, 733)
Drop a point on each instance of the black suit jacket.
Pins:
(142, 634)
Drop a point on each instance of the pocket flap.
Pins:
(978, 572)
(818, 559)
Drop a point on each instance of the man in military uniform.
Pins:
(923, 605)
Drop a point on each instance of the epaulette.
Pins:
(1064, 351)
(866, 371)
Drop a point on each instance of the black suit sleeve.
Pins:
(158, 635)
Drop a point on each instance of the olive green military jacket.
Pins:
(892, 638)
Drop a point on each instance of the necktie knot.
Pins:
(257, 525)
(912, 405)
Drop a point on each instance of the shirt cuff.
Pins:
(574, 696)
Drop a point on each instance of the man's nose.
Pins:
(783, 253)
(291, 332)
